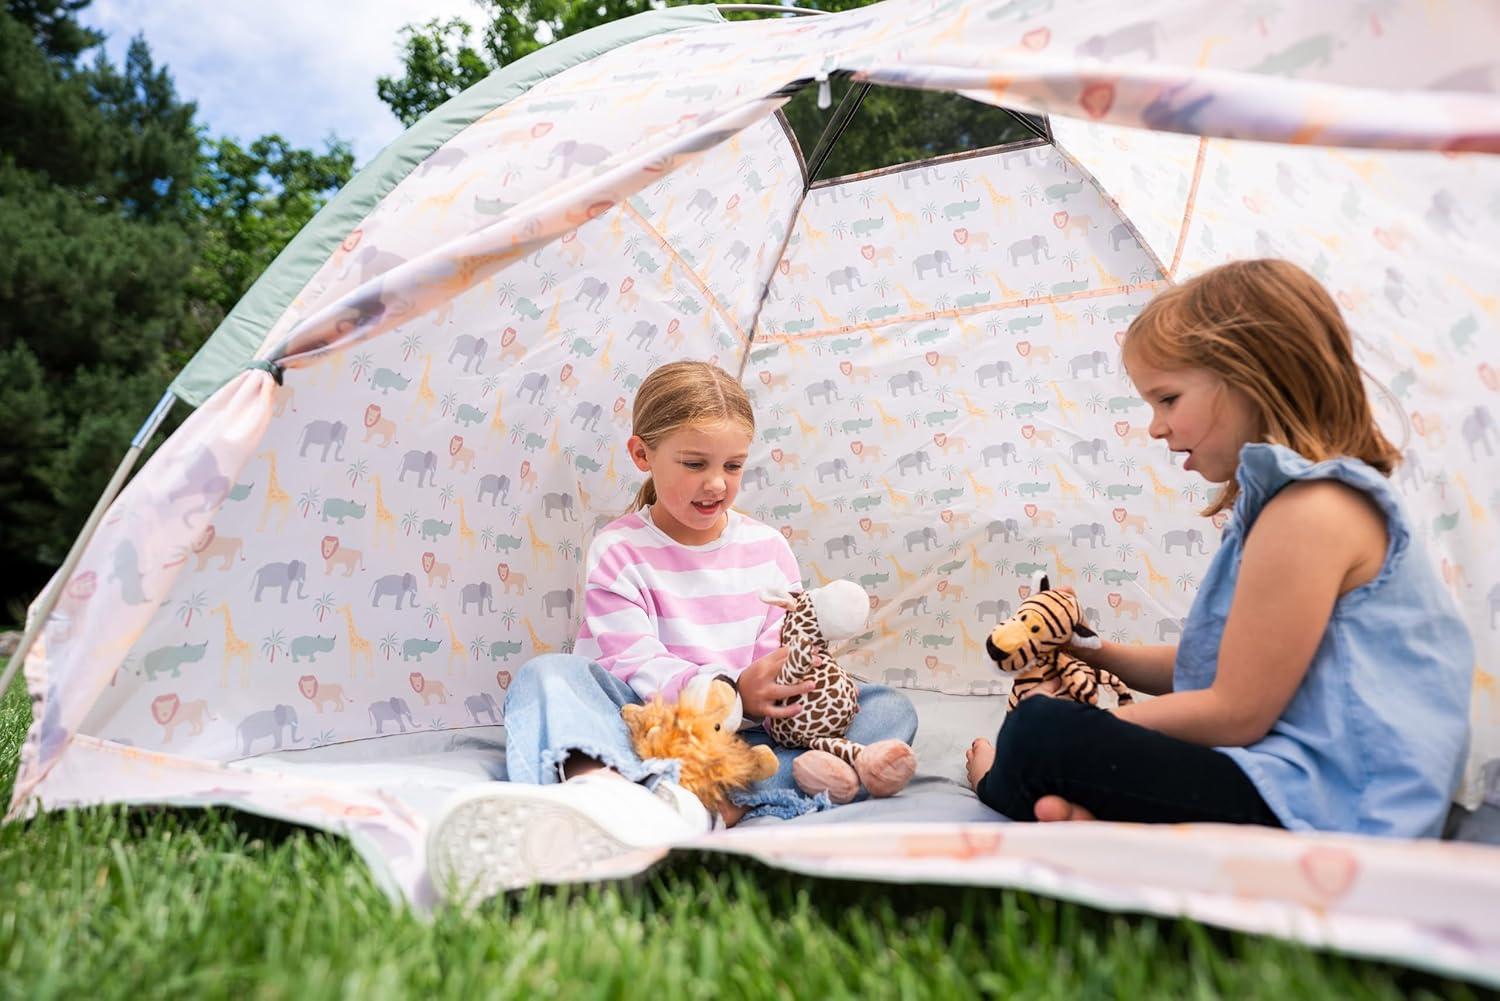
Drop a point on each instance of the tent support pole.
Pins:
(770, 8)
(49, 597)
(837, 123)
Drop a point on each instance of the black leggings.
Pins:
(1114, 769)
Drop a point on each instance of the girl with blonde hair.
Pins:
(671, 596)
(1323, 677)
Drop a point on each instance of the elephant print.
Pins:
(268, 723)
(392, 710)
(282, 576)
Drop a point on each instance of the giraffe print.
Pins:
(828, 709)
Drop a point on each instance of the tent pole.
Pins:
(49, 598)
(774, 8)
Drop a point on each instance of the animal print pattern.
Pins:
(829, 708)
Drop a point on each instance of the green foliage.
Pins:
(128, 237)
(439, 64)
(253, 201)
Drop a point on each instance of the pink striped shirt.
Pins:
(657, 613)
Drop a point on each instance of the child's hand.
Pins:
(759, 691)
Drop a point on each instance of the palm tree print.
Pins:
(324, 604)
(1090, 572)
(508, 617)
(361, 364)
(188, 606)
(476, 646)
(486, 537)
(272, 645)
(388, 644)
(961, 177)
(430, 614)
(549, 279)
(308, 500)
(450, 400)
(410, 519)
(507, 292)
(410, 345)
(489, 383)
(1072, 259)
(973, 273)
(445, 495)
(1124, 551)
(358, 470)
(1186, 581)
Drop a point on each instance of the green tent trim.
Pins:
(234, 343)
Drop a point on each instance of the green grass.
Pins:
(151, 903)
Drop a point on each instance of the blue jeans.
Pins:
(561, 704)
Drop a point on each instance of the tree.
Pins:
(128, 236)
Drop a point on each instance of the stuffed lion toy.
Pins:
(700, 730)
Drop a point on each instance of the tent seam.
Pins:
(1187, 209)
(666, 247)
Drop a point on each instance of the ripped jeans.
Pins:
(561, 704)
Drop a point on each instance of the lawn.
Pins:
(150, 903)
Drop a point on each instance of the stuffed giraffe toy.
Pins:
(832, 764)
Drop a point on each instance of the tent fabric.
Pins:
(235, 341)
(360, 557)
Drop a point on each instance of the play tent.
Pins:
(310, 602)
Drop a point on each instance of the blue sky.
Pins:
(303, 68)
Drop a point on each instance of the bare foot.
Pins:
(578, 765)
(979, 759)
(1051, 809)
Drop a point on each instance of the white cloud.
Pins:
(303, 68)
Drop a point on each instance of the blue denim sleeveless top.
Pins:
(1374, 740)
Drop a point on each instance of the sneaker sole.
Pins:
(512, 839)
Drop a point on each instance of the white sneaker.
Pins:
(502, 836)
(687, 805)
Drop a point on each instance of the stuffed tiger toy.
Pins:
(1029, 645)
